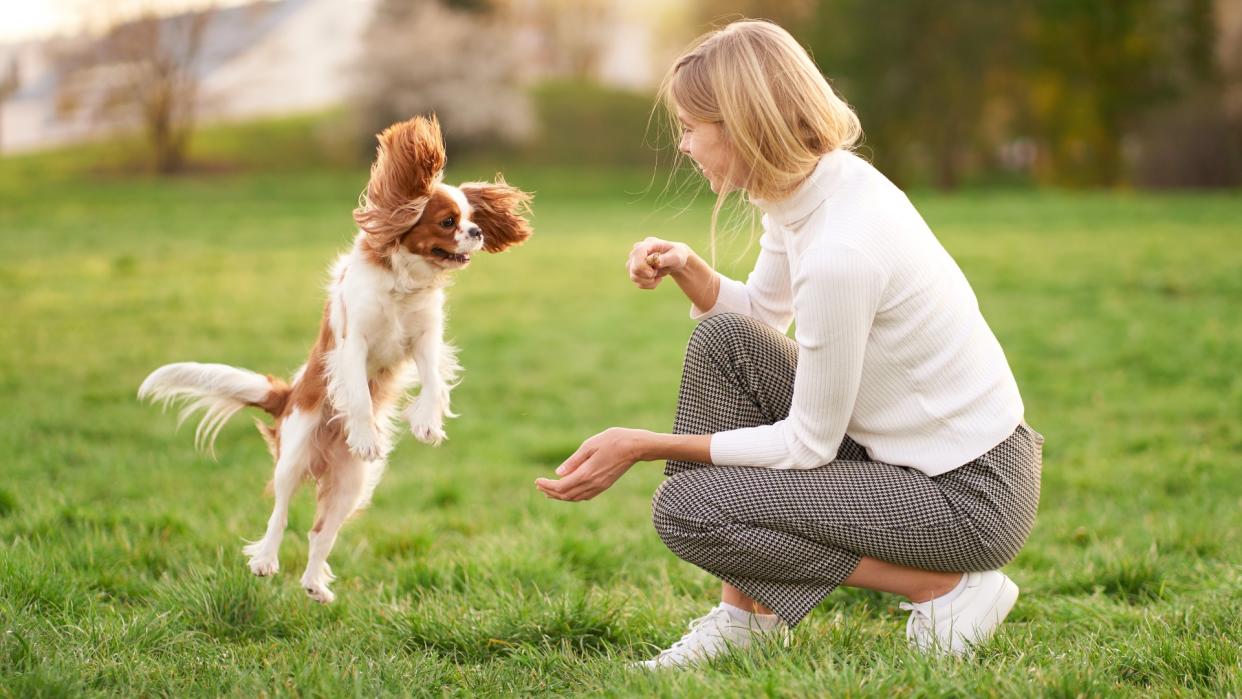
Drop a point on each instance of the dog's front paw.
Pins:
(431, 434)
(426, 420)
(263, 566)
(364, 443)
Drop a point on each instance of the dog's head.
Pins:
(408, 210)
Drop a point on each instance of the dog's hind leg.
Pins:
(296, 435)
(342, 488)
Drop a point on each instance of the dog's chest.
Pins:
(401, 323)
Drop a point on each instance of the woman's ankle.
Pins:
(732, 596)
(936, 586)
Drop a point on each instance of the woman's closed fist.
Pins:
(652, 259)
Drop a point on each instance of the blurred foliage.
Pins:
(1073, 92)
(303, 142)
(580, 125)
(588, 124)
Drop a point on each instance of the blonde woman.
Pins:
(884, 446)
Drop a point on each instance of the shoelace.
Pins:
(694, 627)
(918, 616)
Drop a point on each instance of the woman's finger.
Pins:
(575, 460)
(638, 275)
(551, 488)
(563, 489)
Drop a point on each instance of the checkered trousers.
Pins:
(789, 537)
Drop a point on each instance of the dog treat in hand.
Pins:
(654, 260)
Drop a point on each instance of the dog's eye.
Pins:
(449, 222)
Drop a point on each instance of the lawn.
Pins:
(120, 563)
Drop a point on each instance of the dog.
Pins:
(382, 331)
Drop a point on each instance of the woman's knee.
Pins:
(717, 333)
(681, 510)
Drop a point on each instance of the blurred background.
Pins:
(952, 93)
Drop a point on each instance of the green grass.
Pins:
(120, 568)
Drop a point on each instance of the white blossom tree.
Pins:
(458, 62)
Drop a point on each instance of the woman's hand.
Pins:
(653, 259)
(597, 464)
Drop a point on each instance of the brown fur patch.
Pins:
(430, 232)
(311, 389)
(271, 435)
(327, 448)
(501, 211)
(408, 163)
(274, 402)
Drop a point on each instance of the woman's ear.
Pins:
(501, 211)
(409, 163)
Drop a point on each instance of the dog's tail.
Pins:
(218, 390)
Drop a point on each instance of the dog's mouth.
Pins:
(455, 258)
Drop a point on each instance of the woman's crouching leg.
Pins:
(786, 573)
(737, 373)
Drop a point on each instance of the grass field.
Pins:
(120, 564)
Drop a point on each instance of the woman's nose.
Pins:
(684, 145)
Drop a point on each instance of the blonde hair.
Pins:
(776, 110)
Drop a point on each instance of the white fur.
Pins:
(219, 390)
(297, 440)
(389, 320)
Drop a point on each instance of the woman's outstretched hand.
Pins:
(597, 464)
(653, 259)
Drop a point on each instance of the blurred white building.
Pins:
(258, 59)
(286, 56)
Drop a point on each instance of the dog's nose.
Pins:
(474, 232)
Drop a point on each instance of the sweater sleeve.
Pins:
(837, 294)
(766, 294)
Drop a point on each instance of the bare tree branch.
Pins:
(140, 71)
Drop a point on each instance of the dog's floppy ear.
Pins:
(409, 163)
(501, 211)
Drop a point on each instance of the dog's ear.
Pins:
(409, 163)
(501, 211)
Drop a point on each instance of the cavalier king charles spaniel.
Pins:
(382, 332)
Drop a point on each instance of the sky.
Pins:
(28, 19)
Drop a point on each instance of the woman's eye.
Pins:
(448, 222)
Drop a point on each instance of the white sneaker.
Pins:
(968, 619)
(712, 634)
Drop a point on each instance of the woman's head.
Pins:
(756, 113)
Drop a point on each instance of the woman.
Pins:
(882, 447)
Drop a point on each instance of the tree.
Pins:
(140, 71)
(424, 57)
(9, 85)
(923, 75)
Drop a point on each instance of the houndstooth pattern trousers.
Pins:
(787, 538)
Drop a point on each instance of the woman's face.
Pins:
(706, 145)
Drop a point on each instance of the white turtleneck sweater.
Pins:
(892, 348)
